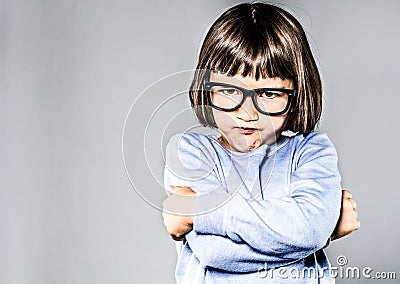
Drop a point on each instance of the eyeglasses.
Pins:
(269, 101)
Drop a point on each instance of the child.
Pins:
(256, 205)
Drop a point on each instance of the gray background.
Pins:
(70, 71)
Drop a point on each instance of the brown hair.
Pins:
(260, 39)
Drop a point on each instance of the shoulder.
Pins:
(312, 145)
(192, 146)
(312, 139)
(190, 138)
(189, 141)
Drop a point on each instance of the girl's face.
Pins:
(245, 129)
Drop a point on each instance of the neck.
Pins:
(225, 143)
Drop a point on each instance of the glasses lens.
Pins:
(225, 97)
(272, 101)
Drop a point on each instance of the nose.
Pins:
(247, 111)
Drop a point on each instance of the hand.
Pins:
(180, 202)
(348, 222)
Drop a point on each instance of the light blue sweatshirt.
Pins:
(263, 216)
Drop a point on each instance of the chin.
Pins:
(249, 145)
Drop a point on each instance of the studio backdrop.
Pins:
(71, 71)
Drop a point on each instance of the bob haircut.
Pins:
(260, 39)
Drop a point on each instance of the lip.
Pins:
(247, 130)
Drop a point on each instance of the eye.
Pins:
(229, 92)
(269, 94)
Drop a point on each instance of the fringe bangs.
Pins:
(252, 49)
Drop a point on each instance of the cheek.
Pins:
(275, 123)
(223, 119)
(278, 122)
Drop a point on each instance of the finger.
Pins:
(347, 194)
(175, 189)
(177, 238)
(182, 190)
(347, 204)
(354, 204)
(356, 225)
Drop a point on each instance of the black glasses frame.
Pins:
(250, 93)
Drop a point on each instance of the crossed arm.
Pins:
(178, 226)
(247, 240)
(215, 250)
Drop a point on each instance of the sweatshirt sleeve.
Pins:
(289, 227)
(190, 161)
(225, 254)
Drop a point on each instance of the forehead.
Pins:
(250, 82)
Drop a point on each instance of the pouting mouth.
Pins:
(247, 130)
